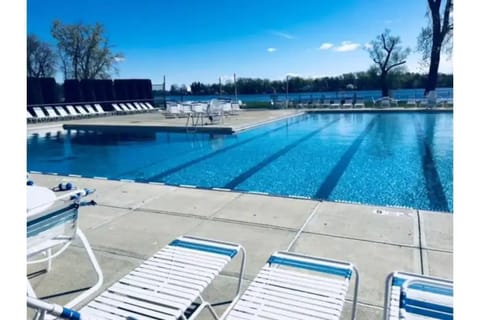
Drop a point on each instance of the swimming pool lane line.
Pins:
(331, 181)
(436, 195)
(212, 154)
(247, 174)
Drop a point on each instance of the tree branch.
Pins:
(395, 65)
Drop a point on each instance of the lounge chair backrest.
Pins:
(29, 115)
(72, 110)
(81, 110)
(124, 107)
(39, 112)
(132, 107)
(149, 106)
(117, 107)
(90, 109)
(50, 112)
(414, 295)
(61, 111)
(138, 106)
(99, 108)
(296, 286)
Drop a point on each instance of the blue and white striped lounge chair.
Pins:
(166, 285)
(82, 111)
(139, 106)
(125, 107)
(163, 287)
(90, 109)
(52, 225)
(414, 296)
(296, 286)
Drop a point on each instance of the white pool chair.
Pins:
(168, 284)
(172, 111)
(149, 106)
(125, 107)
(30, 118)
(139, 106)
(359, 104)
(414, 296)
(82, 111)
(412, 102)
(52, 225)
(63, 114)
(335, 104)
(117, 108)
(236, 108)
(51, 114)
(215, 111)
(296, 286)
(90, 109)
(132, 107)
(73, 112)
(348, 104)
(185, 110)
(99, 109)
(40, 115)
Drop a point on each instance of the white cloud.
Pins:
(368, 45)
(326, 46)
(347, 46)
(283, 35)
(119, 59)
(271, 50)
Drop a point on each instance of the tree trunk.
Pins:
(384, 84)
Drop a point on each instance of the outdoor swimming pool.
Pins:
(396, 159)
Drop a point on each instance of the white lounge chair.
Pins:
(414, 296)
(99, 109)
(335, 104)
(215, 111)
(412, 102)
(132, 107)
(82, 111)
(40, 115)
(73, 112)
(51, 114)
(172, 110)
(90, 109)
(359, 104)
(139, 106)
(126, 108)
(166, 285)
(236, 108)
(52, 225)
(296, 286)
(63, 114)
(29, 116)
(117, 108)
(348, 103)
(149, 106)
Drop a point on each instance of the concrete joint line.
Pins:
(422, 241)
(303, 227)
(363, 240)
(214, 214)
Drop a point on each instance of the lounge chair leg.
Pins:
(214, 314)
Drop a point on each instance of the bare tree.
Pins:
(41, 59)
(84, 51)
(434, 38)
(387, 54)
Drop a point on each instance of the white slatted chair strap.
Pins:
(116, 107)
(72, 110)
(61, 111)
(149, 106)
(132, 107)
(90, 109)
(39, 112)
(124, 107)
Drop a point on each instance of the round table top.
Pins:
(39, 199)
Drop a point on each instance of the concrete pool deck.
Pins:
(132, 221)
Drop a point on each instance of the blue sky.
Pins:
(203, 40)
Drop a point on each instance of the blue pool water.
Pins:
(394, 159)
